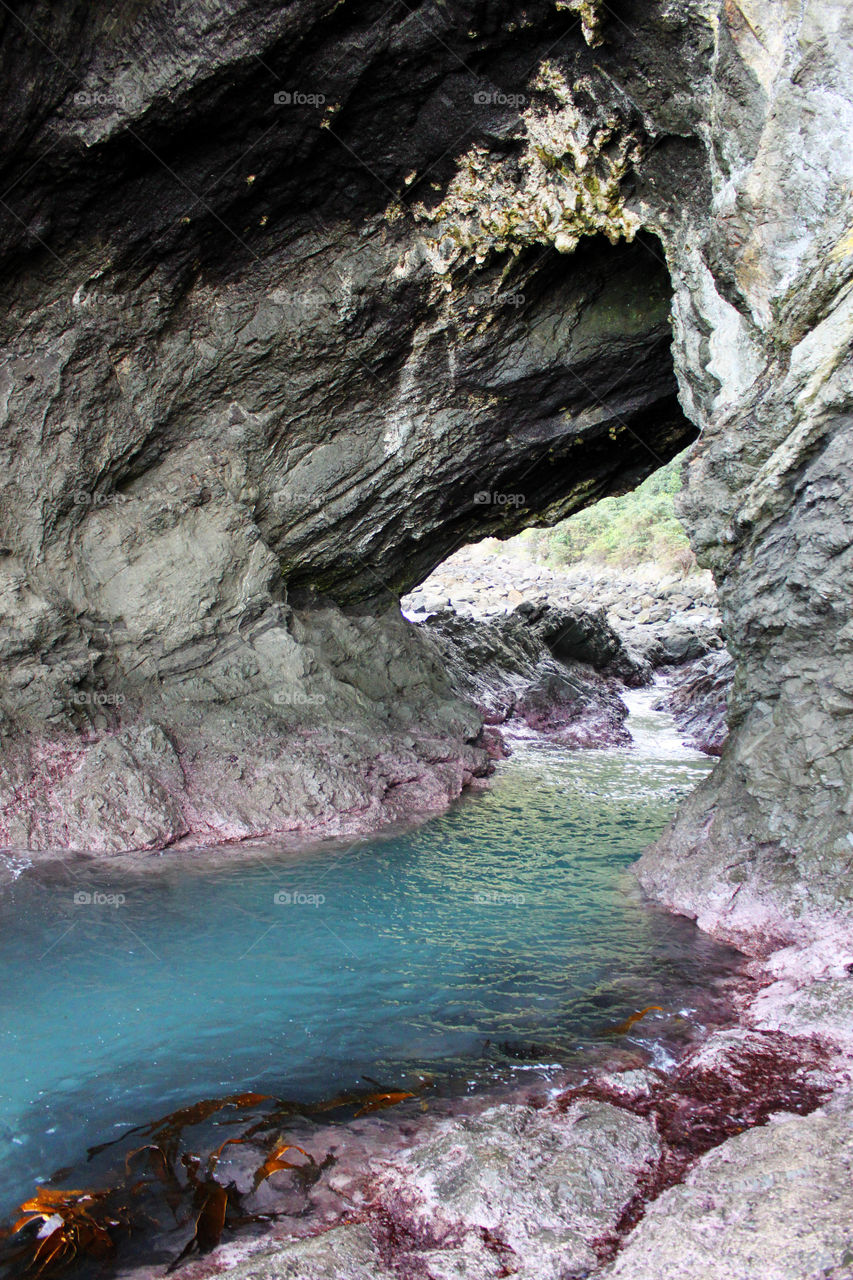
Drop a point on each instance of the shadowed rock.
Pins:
(698, 699)
(508, 672)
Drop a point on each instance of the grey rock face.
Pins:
(506, 669)
(771, 1204)
(698, 700)
(539, 1189)
(235, 377)
(347, 1253)
(631, 620)
(583, 635)
(300, 299)
(316, 721)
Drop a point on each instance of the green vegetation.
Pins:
(639, 527)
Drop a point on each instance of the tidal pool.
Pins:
(501, 939)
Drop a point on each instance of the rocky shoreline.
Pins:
(351, 722)
(625, 625)
(629, 1172)
(732, 1164)
(301, 298)
(666, 618)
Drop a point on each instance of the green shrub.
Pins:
(640, 526)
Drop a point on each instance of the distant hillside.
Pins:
(639, 527)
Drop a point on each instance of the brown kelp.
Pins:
(157, 1170)
(70, 1223)
(622, 1028)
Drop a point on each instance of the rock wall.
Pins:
(300, 299)
(242, 410)
(765, 847)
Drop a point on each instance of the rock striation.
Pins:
(519, 671)
(698, 698)
(299, 299)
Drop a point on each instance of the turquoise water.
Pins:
(501, 938)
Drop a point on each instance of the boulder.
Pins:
(538, 1188)
(507, 671)
(775, 1203)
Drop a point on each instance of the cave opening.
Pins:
(615, 586)
(528, 388)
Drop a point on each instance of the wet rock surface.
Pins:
(347, 1252)
(772, 1204)
(632, 1172)
(506, 667)
(698, 699)
(535, 1190)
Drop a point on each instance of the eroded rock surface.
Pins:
(775, 1203)
(316, 721)
(537, 1190)
(300, 299)
(346, 1253)
(664, 618)
(508, 1191)
(508, 670)
(698, 698)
